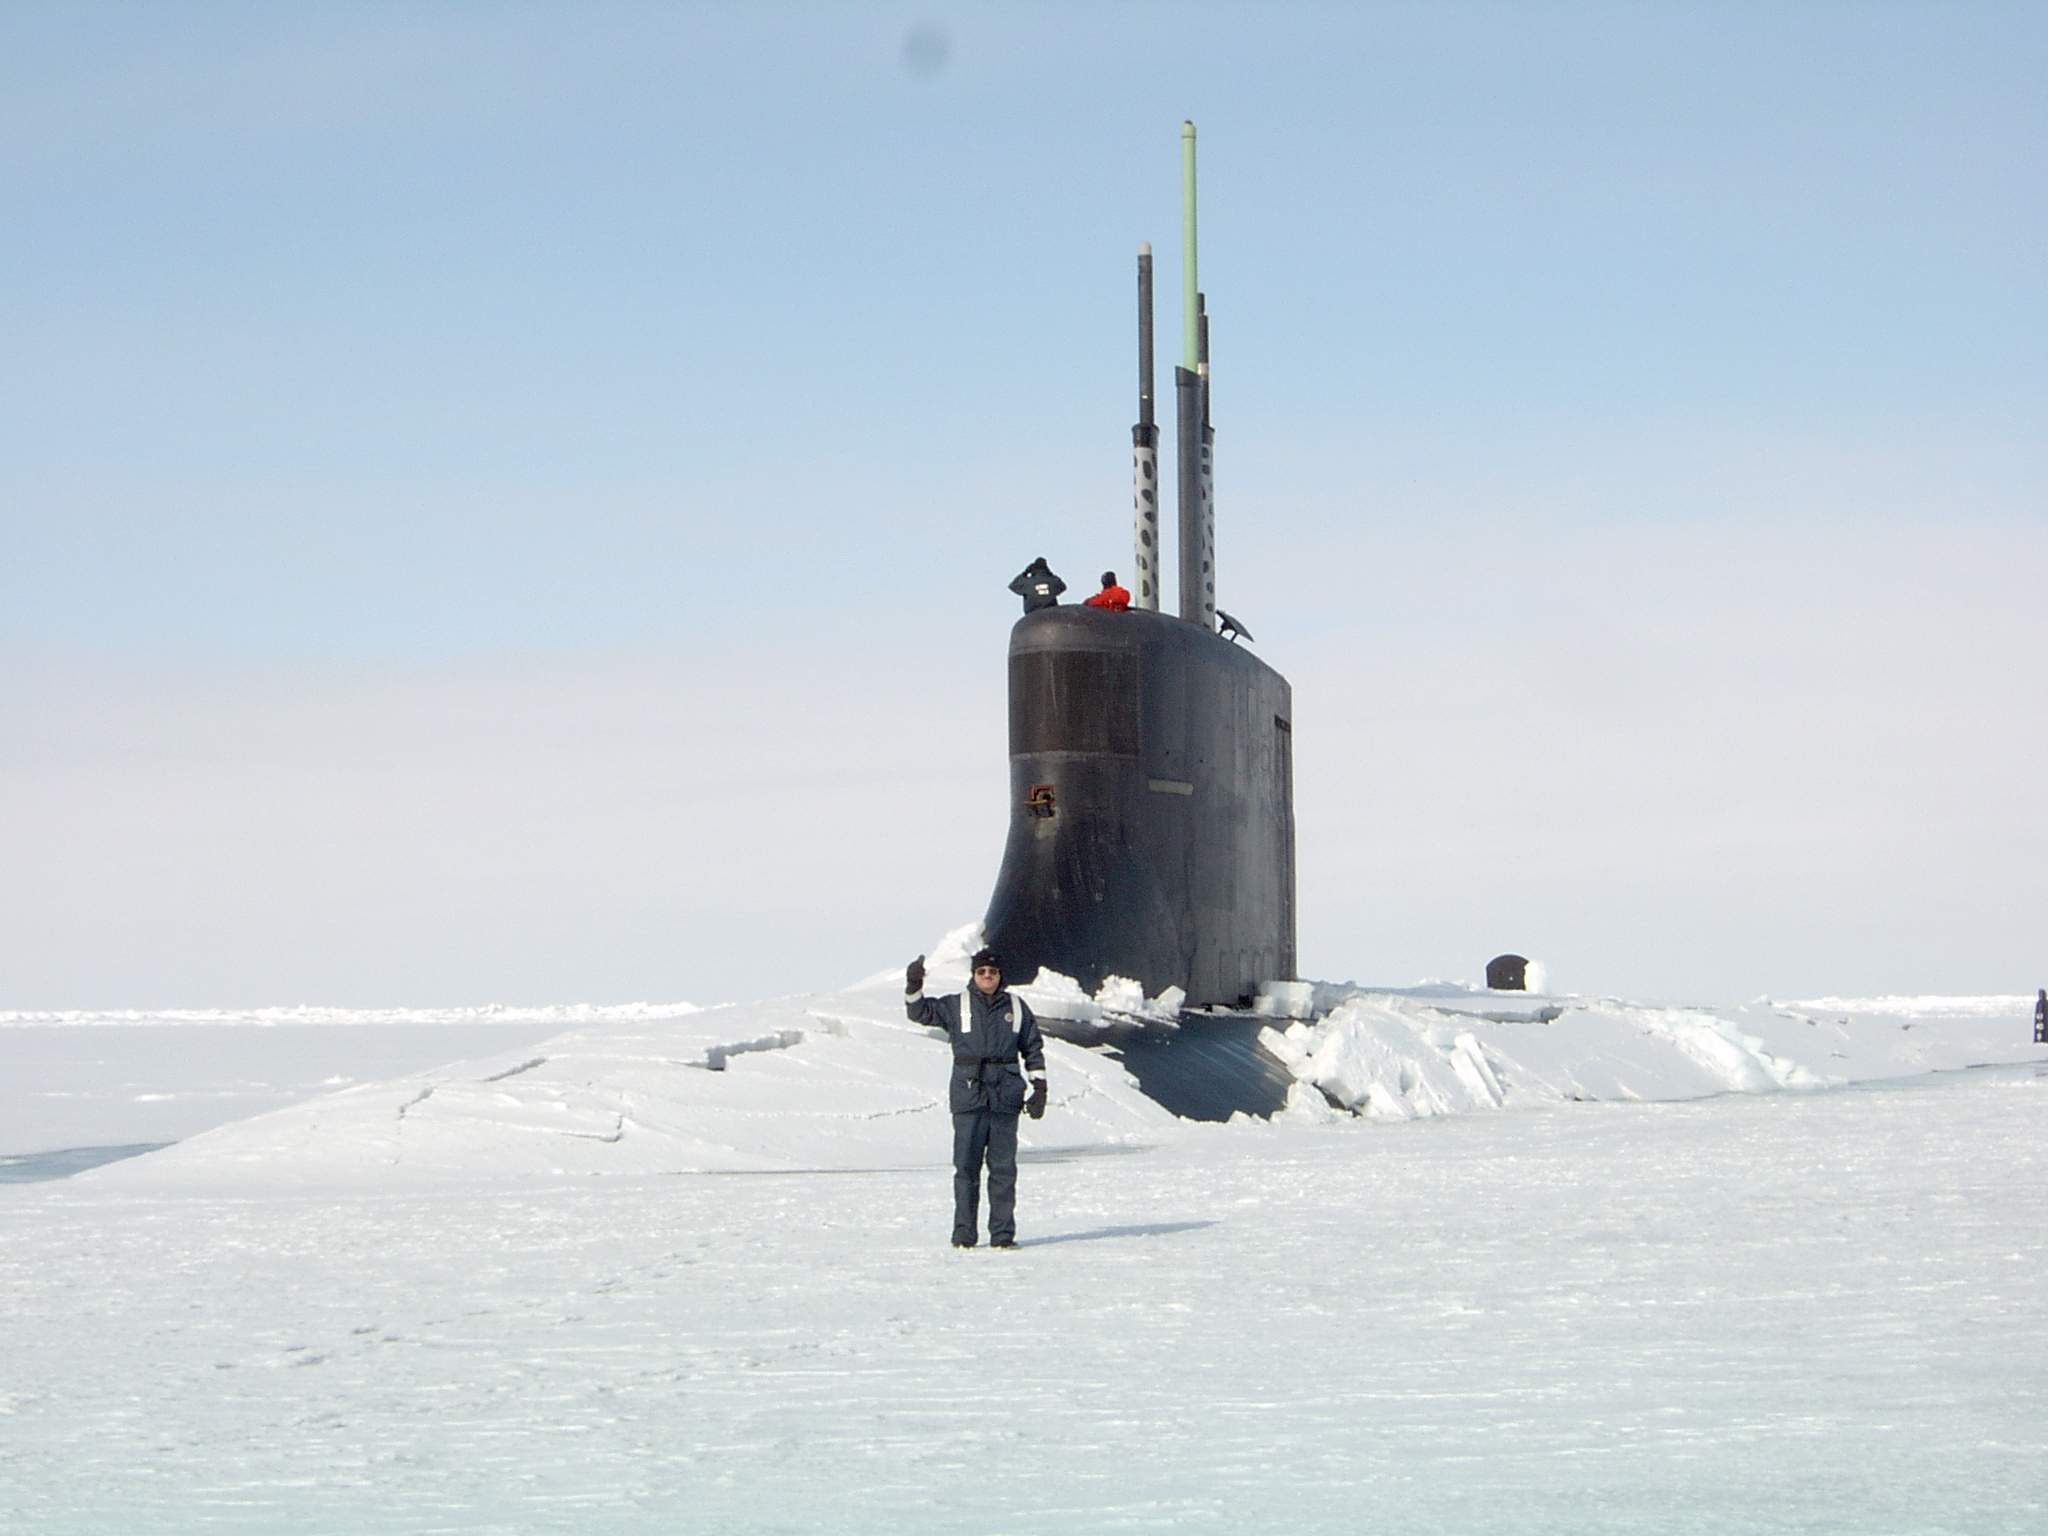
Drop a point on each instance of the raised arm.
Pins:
(936, 1012)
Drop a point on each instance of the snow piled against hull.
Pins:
(841, 1081)
(818, 1082)
(1414, 1053)
(1051, 995)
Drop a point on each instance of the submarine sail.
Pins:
(1151, 760)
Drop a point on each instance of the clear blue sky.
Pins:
(513, 501)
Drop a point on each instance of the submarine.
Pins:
(1151, 830)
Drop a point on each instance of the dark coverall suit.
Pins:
(985, 1094)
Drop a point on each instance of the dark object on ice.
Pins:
(1037, 585)
(990, 1032)
(1230, 629)
(1507, 973)
(1207, 1067)
(2041, 1018)
(1151, 762)
(1170, 859)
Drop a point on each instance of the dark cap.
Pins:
(1109, 578)
(986, 956)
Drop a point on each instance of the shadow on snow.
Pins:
(1147, 1229)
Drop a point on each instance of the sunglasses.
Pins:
(988, 970)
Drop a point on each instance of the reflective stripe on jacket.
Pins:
(992, 1050)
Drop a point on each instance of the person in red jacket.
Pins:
(1112, 596)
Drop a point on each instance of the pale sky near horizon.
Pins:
(512, 502)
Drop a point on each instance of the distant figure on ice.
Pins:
(1037, 585)
(2041, 1018)
(989, 1030)
(1112, 596)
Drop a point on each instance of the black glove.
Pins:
(1035, 1105)
(913, 977)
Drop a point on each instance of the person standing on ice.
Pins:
(1037, 585)
(2041, 1018)
(989, 1030)
(1113, 597)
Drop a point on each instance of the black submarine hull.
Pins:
(1151, 808)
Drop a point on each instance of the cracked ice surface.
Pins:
(408, 1307)
(838, 1080)
(1771, 1313)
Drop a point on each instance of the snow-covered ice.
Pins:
(1409, 1053)
(1576, 1265)
(71, 1080)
